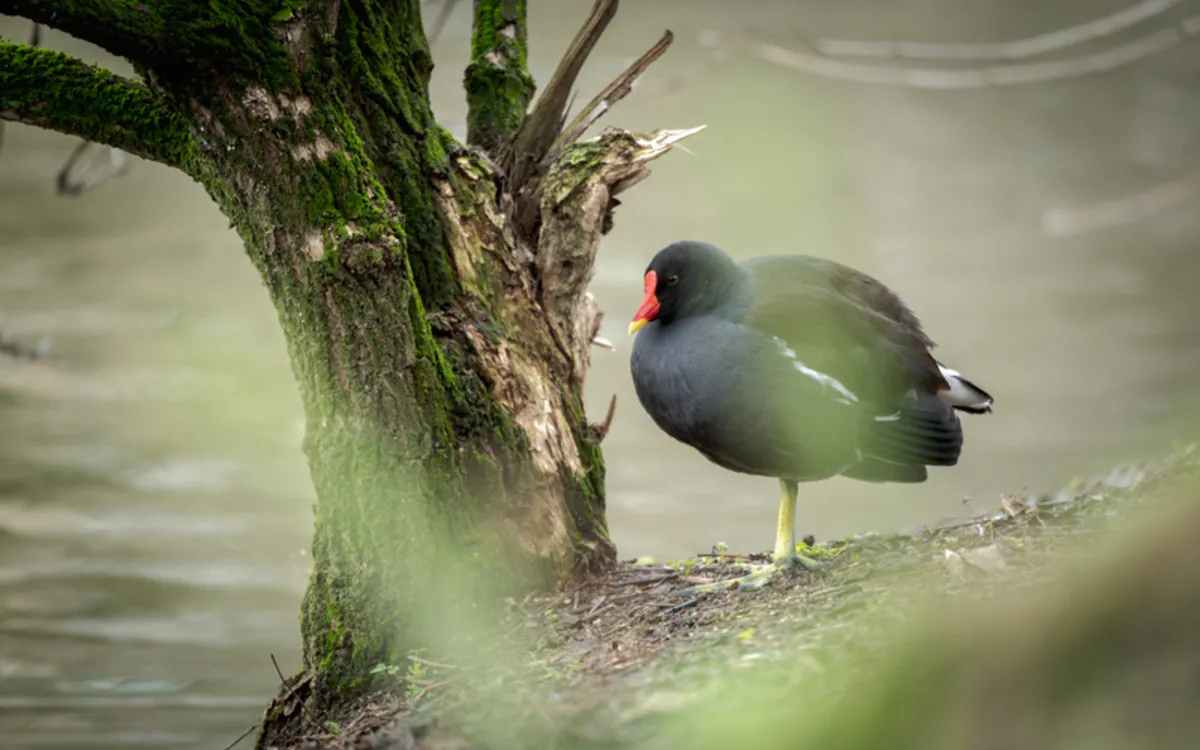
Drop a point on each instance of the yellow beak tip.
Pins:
(636, 325)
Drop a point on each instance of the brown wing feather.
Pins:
(845, 304)
(865, 290)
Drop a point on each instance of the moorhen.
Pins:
(793, 367)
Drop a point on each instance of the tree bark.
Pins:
(440, 348)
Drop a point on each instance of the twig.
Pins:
(439, 23)
(808, 61)
(680, 606)
(72, 185)
(730, 555)
(16, 350)
(612, 93)
(241, 737)
(421, 693)
(600, 429)
(543, 124)
(431, 663)
(650, 579)
(1017, 49)
(596, 606)
(283, 681)
(1069, 222)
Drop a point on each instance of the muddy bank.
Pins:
(635, 659)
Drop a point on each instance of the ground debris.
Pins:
(615, 653)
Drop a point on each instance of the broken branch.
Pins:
(70, 183)
(542, 126)
(612, 93)
(535, 162)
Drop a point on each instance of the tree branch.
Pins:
(56, 91)
(71, 182)
(131, 29)
(497, 80)
(542, 126)
(11, 348)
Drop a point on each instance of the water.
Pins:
(154, 503)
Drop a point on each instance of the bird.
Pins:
(794, 367)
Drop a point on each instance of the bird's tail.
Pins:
(963, 394)
(923, 431)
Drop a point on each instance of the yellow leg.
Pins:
(785, 529)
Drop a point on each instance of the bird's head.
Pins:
(686, 278)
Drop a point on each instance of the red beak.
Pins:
(649, 307)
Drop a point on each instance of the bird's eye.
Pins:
(672, 280)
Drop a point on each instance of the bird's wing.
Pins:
(779, 273)
(875, 358)
(881, 365)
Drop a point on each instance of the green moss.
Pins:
(287, 10)
(586, 502)
(498, 99)
(56, 91)
(232, 35)
(388, 120)
(575, 166)
(434, 379)
(227, 32)
(499, 87)
(435, 154)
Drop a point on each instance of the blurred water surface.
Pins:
(155, 508)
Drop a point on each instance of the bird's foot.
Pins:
(795, 560)
(761, 574)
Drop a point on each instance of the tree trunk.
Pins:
(440, 346)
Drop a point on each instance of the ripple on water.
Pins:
(30, 520)
(198, 475)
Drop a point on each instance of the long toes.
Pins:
(800, 561)
(810, 564)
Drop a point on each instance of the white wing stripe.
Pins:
(820, 377)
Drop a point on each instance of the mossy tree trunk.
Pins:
(439, 345)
